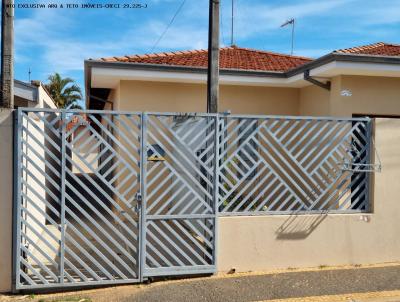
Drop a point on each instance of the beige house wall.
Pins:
(45, 101)
(259, 100)
(179, 97)
(267, 242)
(369, 95)
(314, 101)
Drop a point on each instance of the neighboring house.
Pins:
(360, 80)
(32, 94)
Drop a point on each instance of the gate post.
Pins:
(216, 189)
(62, 189)
(142, 206)
(371, 146)
(16, 235)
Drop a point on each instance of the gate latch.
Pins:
(138, 198)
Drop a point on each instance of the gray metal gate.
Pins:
(77, 216)
(291, 164)
(105, 197)
(108, 197)
(180, 199)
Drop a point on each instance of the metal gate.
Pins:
(105, 197)
(77, 216)
(292, 164)
(180, 199)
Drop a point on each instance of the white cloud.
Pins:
(254, 19)
(48, 32)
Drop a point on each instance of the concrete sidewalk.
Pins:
(370, 284)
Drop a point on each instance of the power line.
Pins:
(222, 26)
(168, 26)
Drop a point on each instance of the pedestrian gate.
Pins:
(104, 197)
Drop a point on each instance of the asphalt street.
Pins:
(274, 286)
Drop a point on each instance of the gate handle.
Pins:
(138, 198)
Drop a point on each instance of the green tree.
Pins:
(64, 91)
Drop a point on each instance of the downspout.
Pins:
(313, 81)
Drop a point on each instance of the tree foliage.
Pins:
(64, 91)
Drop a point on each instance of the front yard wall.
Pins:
(260, 243)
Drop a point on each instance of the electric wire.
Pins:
(168, 26)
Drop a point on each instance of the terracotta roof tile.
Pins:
(377, 49)
(80, 120)
(248, 59)
(230, 58)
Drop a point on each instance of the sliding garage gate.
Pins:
(104, 197)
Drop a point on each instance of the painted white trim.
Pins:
(25, 91)
(110, 77)
(105, 77)
(356, 68)
(319, 71)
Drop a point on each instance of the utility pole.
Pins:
(213, 57)
(7, 54)
(232, 22)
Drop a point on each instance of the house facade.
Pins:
(359, 81)
(356, 81)
(113, 195)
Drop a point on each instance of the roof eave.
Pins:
(331, 57)
(344, 57)
(177, 68)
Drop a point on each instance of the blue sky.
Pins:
(49, 40)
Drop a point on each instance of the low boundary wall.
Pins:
(260, 243)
